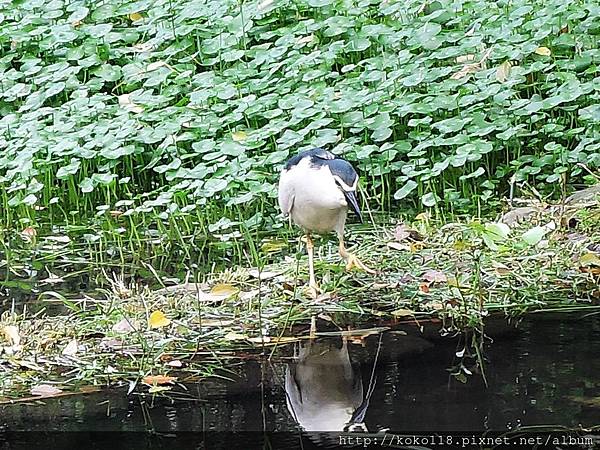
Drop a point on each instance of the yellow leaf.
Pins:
(416, 246)
(422, 216)
(239, 136)
(590, 259)
(460, 245)
(135, 16)
(224, 290)
(543, 51)
(11, 334)
(158, 320)
(503, 71)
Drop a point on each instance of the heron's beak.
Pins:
(353, 202)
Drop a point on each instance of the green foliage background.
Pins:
(187, 109)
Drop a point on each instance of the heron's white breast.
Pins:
(318, 203)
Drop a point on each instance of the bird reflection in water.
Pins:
(324, 390)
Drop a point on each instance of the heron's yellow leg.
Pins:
(352, 260)
(313, 288)
(313, 327)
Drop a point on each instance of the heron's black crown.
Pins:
(316, 154)
(319, 157)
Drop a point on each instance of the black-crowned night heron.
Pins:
(324, 392)
(315, 190)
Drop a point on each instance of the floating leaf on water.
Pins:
(158, 320)
(45, 390)
(543, 51)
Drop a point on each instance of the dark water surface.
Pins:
(545, 373)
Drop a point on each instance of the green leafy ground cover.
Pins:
(138, 124)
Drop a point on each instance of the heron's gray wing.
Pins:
(286, 193)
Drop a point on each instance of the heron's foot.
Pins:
(313, 290)
(352, 261)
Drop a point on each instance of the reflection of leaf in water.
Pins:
(154, 380)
